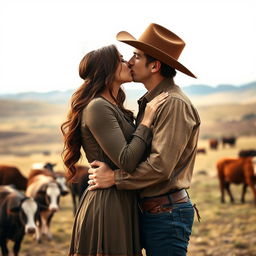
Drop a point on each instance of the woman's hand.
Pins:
(151, 108)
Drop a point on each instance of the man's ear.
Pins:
(156, 66)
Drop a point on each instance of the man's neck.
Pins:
(153, 82)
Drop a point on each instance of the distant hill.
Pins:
(203, 95)
(199, 94)
(12, 107)
(57, 97)
(223, 88)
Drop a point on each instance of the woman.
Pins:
(106, 222)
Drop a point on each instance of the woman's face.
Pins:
(123, 72)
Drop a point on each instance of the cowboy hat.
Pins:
(159, 43)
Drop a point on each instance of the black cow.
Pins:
(231, 141)
(201, 151)
(213, 144)
(18, 216)
(247, 153)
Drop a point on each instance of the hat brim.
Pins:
(127, 38)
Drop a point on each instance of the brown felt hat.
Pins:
(159, 43)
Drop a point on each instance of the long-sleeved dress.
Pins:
(106, 222)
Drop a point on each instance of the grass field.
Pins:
(224, 229)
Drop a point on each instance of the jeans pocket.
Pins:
(187, 215)
(187, 220)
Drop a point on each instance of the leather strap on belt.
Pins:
(162, 203)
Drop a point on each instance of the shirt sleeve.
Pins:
(102, 122)
(172, 129)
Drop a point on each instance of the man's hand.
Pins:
(101, 176)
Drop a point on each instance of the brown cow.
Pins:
(213, 144)
(12, 175)
(79, 184)
(238, 171)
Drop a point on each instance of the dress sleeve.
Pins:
(102, 122)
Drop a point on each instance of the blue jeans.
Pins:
(167, 233)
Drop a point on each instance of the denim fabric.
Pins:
(167, 234)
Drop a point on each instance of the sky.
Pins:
(43, 41)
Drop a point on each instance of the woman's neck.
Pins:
(106, 94)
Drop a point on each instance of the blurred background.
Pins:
(41, 45)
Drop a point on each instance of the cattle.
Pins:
(58, 176)
(62, 182)
(237, 171)
(18, 216)
(46, 192)
(201, 151)
(231, 141)
(79, 184)
(247, 153)
(213, 144)
(48, 166)
(12, 175)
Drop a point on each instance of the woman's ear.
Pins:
(156, 66)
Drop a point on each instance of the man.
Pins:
(162, 178)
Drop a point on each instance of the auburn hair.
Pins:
(97, 69)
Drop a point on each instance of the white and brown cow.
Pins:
(57, 175)
(45, 190)
(46, 166)
(18, 216)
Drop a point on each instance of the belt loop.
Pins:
(187, 194)
(170, 198)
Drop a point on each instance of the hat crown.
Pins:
(163, 39)
(160, 43)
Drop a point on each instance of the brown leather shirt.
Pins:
(170, 161)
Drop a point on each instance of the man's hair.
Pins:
(165, 70)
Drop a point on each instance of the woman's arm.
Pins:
(103, 124)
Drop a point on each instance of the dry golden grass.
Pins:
(224, 229)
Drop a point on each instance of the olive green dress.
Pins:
(106, 222)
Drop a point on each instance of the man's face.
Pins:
(140, 72)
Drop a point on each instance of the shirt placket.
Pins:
(142, 106)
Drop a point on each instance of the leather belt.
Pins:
(163, 203)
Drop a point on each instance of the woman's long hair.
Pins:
(97, 69)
